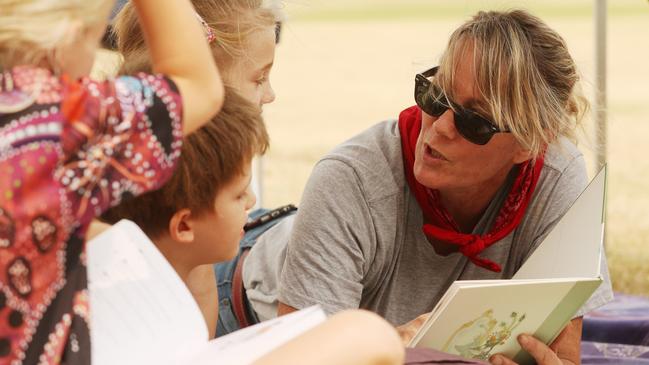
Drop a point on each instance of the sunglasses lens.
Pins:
(474, 128)
(430, 100)
(421, 89)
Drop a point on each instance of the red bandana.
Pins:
(438, 223)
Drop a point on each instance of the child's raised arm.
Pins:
(179, 50)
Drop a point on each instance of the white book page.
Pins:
(573, 247)
(251, 343)
(141, 311)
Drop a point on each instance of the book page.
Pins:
(141, 311)
(251, 343)
(573, 247)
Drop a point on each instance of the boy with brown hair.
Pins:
(197, 218)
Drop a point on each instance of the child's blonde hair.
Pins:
(232, 21)
(32, 30)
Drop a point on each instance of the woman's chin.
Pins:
(427, 177)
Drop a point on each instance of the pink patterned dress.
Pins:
(69, 151)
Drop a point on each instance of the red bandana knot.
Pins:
(473, 247)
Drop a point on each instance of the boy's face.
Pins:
(217, 233)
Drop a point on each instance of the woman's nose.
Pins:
(445, 124)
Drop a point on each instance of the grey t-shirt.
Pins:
(357, 240)
(263, 266)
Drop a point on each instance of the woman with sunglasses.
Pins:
(464, 185)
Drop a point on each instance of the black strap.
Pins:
(267, 217)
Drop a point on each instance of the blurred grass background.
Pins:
(343, 65)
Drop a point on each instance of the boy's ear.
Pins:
(181, 228)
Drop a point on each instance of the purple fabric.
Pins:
(613, 353)
(617, 333)
(423, 356)
(623, 321)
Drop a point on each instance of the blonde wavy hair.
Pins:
(32, 30)
(525, 74)
(233, 22)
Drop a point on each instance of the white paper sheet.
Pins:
(573, 247)
(141, 311)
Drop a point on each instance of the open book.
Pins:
(479, 318)
(142, 312)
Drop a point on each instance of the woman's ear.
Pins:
(522, 155)
(181, 227)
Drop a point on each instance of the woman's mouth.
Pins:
(433, 153)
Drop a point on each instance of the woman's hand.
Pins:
(565, 350)
(542, 354)
(409, 330)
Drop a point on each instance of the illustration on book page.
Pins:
(477, 339)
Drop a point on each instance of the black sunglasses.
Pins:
(432, 100)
